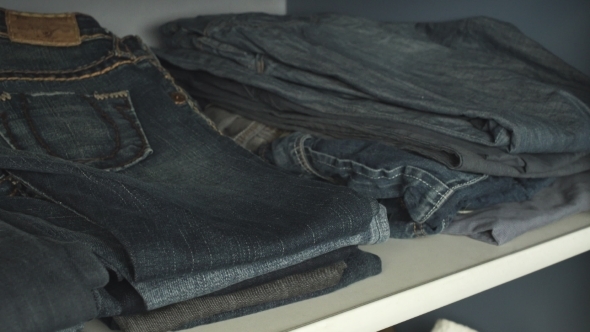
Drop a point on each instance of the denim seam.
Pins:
(97, 300)
(381, 177)
(381, 227)
(246, 134)
(419, 229)
(434, 207)
(470, 182)
(312, 233)
(25, 110)
(111, 95)
(449, 193)
(134, 124)
(259, 64)
(154, 61)
(117, 48)
(92, 64)
(452, 133)
(67, 207)
(41, 193)
(53, 78)
(299, 149)
(96, 36)
(144, 145)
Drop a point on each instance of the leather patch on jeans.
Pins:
(43, 29)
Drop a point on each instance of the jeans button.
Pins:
(178, 97)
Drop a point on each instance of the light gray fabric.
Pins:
(174, 316)
(247, 133)
(77, 328)
(503, 222)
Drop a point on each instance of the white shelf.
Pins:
(418, 276)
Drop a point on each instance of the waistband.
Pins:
(86, 24)
(65, 46)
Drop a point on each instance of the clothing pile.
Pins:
(121, 198)
(437, 121)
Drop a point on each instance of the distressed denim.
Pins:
(475, 94)
(179, 314)
(123, 299)
(360, 265)
(136, 305)
(111, 167)
(422, 196)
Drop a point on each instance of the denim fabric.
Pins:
(422, 196)
(360, 265)
(179, 314)
(45, 283)
(306, 266)
(149, 192)
(158, 293)
(475, 158)
(136, 305)
(77, 328)
(129, 302)
(501, 223)
(475, 94)
(247, 133)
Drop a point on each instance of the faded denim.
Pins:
(178, 314)
(360, 265)
(109, 165)
(77, 328)
(501, 223)
(422, 195)
(475, 94)
(305, 266)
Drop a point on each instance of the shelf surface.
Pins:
(419, 275)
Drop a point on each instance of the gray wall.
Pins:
(563, 27)
(553, 299)
(142, 17)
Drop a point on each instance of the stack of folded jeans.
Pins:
(474, 94)
(118, 197)
(434, 120)
(422, 197)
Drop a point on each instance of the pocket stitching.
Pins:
(91, 100)
(11, 137)
(137, 129)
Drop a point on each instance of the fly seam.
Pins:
(189, 100)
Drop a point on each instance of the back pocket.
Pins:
(99, 130)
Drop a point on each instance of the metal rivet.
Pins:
(178, 97)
